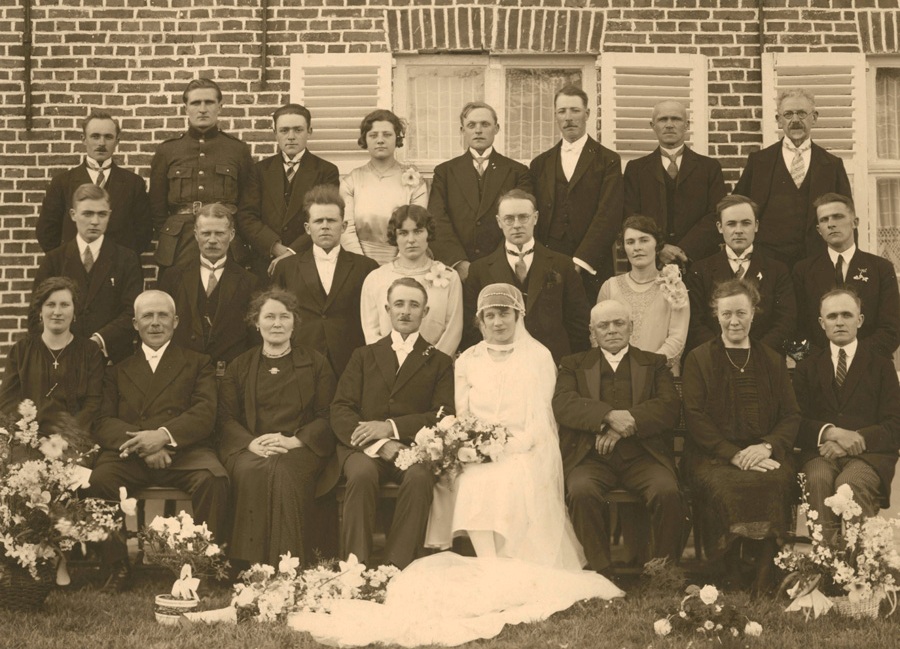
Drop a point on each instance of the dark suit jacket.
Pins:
(874, 280)
(106, 303)
(699, 187)
(776, 320)
(229, 335)
(579, 407)
(868, 402)
(129, 224)
(372, 389)
(466, 225)
(315, 384)
(180, 395)
(330, 324)
(828, 175)
(556, 309)
(264, 218)
(595, 202)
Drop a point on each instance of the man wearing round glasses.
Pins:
(784, 179)
(556, 308)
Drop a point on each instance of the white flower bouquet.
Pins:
(174, 541)
(673, 289)
(703, 612)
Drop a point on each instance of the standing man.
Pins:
(579, 193)
(556, 309)
(785, 178)
(129, 221)
(466, 189)
(156, 426)
(327, 280)
(775, 321)
(271, 219)
(390, 390)
(849, 399)
(212, 293)
(677, 187)
(108, 275)
(203, 165)
(843, 265)
(614, 404)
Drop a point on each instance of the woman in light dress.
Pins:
(410, 229)
(658, 299)
(373, 191)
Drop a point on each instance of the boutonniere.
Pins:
(861, 275)
(428, 351)
(439, 275)
(552, 278)
(673, 289)
(759, 276)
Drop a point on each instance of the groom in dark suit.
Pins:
(850, 401)
(389, 390)
(466, 189)
(614, 405)
(327, 280)
(271, 217)
(556, 309)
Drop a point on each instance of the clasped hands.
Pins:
(755, 458)
(367, 432)
(841, 442)
(619, 424)
(272, 444)
(149, 445)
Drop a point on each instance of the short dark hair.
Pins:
(99, 114)
(647, 225)
(418, 214)
(735, 199)
(216, 211)
(89, 192)
(517, 194)
(323, 195)
(45, 289)
(732, 287)
(292, 109)
(200, 84)
(835, 292)
(287, 298)
(473, 105)
(380, 115)
(833, 197)
(410, 283)
(571, 91)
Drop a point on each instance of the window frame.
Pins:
(876, 168)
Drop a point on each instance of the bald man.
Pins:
(614, 404)
(676, 186)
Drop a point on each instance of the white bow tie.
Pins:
(402, 347)
(570, 149)
(323, 257)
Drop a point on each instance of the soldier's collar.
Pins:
(198, 134)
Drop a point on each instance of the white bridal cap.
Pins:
(500, 295)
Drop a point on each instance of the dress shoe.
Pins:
(120, 578)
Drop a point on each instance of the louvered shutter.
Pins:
(631, 84)
(339, 90)
(837, 81)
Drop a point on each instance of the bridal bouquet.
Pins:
(863, 562)
(177, 540)
(702, 611)
(268, 594)
(41, 514)
(453, 443)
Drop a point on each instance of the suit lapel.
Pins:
(464, 173)
(304, 180)
(341, 272)
(100, 271)
(413, 363)
(137, 369)
(854, 374)
(638, 378)
(500, 272)
(493, 181)
(825, 370)
(536, 274)
(722, 269)
(548, 177)
(584, 161)
(386, 360)
(310, 275)
(688, 165)
(656, 169)
(819, 172)
(590, 373)
(191, 287)
(168, 369)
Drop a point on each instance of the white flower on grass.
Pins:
(708, 594)
(753, 629)
(662, 626)
(708, 625)
(288, 564)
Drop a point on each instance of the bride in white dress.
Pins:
(529, 561)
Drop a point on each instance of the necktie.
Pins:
(291, 170)
(87, 259)
(521, 267)
(841, 373)
(213, 282)
(100, 169)
(100, 178)
(839, 272)
(481, 162)
(798, 169)
(672, 168)
(742, 263)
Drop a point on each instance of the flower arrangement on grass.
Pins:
(174, 541)
(861, 563)
(267, 594)
(701, 611)
(41, 513)
(453, 443)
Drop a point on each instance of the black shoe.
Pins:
(120, 578)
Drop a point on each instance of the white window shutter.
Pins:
(339, 90)
(838, 82)
(631, 84)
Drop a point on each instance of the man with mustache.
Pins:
(129, 222)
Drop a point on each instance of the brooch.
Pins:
(274, 370)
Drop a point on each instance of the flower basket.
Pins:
(859, 609)
(169, 609)
(19, 591)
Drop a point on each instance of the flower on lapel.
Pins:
(673, 289)
(552, 278)
(861, 275)
(759, 276)
(427, 352)
(411, 177)
(439, 275)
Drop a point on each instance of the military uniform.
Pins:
(188, 172)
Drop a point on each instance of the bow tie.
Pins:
(324, 256)
(570, 149)
(797, 149)
(405, 347)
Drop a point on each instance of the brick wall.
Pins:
(134, 57)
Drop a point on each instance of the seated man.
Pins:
(389, 390)
(614, 404)
(155, 426)
(850, 402)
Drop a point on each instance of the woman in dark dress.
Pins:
(742, 419)
(60, 372)
(273, 418)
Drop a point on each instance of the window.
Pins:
(884, 155)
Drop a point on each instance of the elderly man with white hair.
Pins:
(614, 404)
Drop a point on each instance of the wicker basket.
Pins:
(858, 610)
(19, 591)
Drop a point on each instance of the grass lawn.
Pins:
(87, 619)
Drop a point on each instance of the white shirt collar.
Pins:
(575, 146)
(96, 166)
(149, 351)
(94, 245)
(332, 255)
(733, 255)
(296, 158)
(677, 151)
(850, 348)
(529, 245)
(215, 265)
(615, 358)
(847, 255)
(411, 339)
(487, 153)
(806, 145)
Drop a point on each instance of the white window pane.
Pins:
(887, 113)
(435, 96)
(888, 195)
(530, 125)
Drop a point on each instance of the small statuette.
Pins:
(274, 370)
